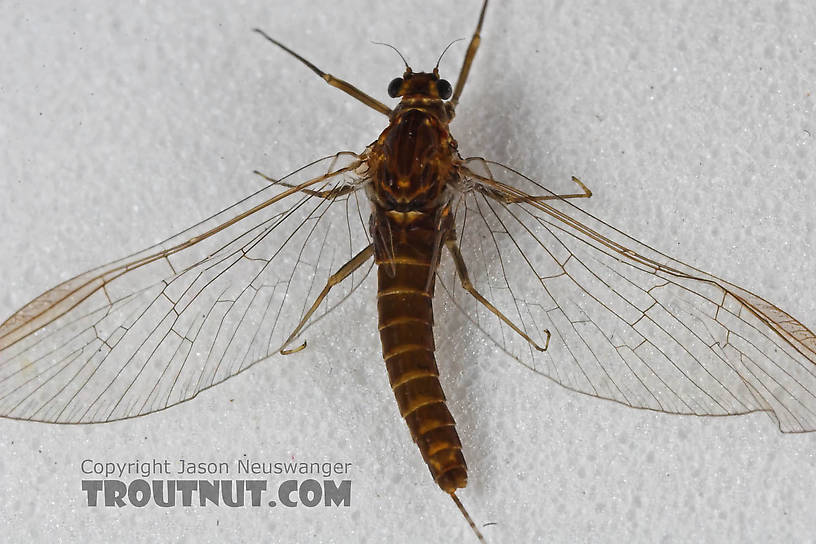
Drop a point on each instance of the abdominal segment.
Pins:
(404, 303)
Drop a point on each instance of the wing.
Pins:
(152, 330)
(627, 323)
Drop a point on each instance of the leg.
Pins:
(334, 279)
(585, 194)
(328, 195)
(344, 86)
(497, 194)
(471, 52)
(461, 271)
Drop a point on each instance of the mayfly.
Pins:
(590, 307)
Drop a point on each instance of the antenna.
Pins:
(398, 53)
(445, 51)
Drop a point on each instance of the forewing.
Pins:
(152, 330)
(627, 322)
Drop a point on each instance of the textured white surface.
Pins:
(692, 122)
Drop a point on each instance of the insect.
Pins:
(306, 298)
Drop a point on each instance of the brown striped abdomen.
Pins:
(404, 302)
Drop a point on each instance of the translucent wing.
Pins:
(152, 330)
(627, 323)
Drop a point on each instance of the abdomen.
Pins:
(404, 303)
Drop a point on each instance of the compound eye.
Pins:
(394, 87)
(444, 89)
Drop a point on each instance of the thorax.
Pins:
(414, 158)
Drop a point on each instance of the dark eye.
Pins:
(444, 89)
(394, 87)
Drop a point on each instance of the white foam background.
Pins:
(692, 122)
